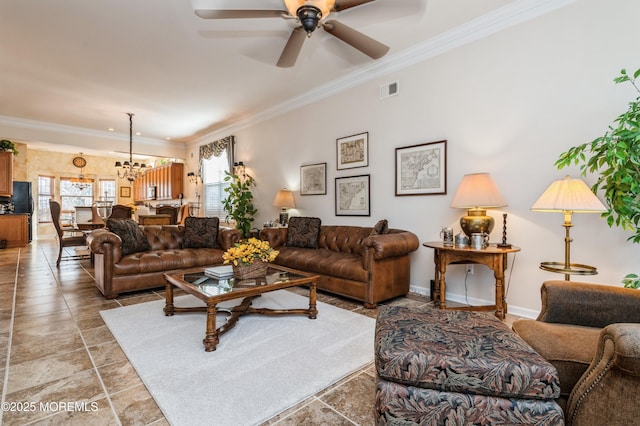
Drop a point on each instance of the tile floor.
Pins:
(55, 348)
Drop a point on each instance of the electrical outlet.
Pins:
(470, 269)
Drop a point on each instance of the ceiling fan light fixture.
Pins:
(309, 17)
(325, 6)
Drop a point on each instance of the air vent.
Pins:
(389, 89)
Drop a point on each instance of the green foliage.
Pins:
(631, 281)
(7, 145)
(615, 157)
(239, 202)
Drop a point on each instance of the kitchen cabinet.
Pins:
(6, 174)
(167, 179)
(14, 229)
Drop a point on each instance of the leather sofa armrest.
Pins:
(589, 305)
(390, 245)
(227, 237)
(602, 394)
(277, 237)
(101, 240)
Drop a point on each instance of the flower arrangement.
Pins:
(248, 251)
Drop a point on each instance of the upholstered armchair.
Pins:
(591, 334)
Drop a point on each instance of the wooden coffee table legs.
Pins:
(213, 333)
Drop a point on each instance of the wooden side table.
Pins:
(493, 257)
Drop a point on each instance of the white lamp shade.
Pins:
(568, 195)
(284, 198)
(478, 190)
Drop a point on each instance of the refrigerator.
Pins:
(22, 202)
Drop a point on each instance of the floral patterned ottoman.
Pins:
(441, 367)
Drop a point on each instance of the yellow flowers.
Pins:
(246, 251)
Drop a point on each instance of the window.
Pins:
(45, 193)
(72, 196)
(107, 190)
(213, 171)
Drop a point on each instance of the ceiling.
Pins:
(85, 64)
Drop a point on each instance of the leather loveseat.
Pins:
(350, 260)
(117, 272)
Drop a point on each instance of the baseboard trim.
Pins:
(460, 298)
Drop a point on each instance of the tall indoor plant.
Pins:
(239, 201)
(615, 158)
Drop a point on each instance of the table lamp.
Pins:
(568, 196)
(477, 192)
(284, 199)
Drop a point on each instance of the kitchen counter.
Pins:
(14, 228)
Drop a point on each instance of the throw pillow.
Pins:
(200, 232)
(382, 227)
(133, 238)
(303, 232)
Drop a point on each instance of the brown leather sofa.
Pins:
(591, 334)
(351, 262)
(117, 273)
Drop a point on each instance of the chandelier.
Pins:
(130, 170)
(81, 182)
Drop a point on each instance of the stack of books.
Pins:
(220, 272)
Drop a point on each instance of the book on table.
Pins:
(219, 272)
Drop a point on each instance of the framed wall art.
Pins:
(313, 179)
(422, 169)
(353, 196)
(353, 151)
(125, 191)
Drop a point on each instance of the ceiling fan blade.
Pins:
(292, 48)
(239, 13)
(346, 4)
(363, 43)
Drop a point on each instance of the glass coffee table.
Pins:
(215, 290)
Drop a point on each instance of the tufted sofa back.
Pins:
(343, 239)
(165, 237)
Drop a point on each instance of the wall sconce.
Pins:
(239, 169)
(193, 178)
(284, 199)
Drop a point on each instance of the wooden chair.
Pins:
(184, 213)
(171, 211)
(120, 211)
(72, 239)
(95, 216)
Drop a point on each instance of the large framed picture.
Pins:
(353, 196)
(353, 151)
(422, 169)
(313, 179)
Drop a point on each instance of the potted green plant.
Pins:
(239, 202)
(615, 158)
(7, 145)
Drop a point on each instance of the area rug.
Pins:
(261, 367)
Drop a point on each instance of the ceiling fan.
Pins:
(310, 14)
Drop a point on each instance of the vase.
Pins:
(253, 270)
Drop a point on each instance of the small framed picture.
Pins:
(353, 196)
(422, 169)
(353, 151)
(313, 179)
(125, 191)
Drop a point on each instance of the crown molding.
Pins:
(508, 16)
(41, 126)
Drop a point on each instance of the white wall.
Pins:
(508, 105)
